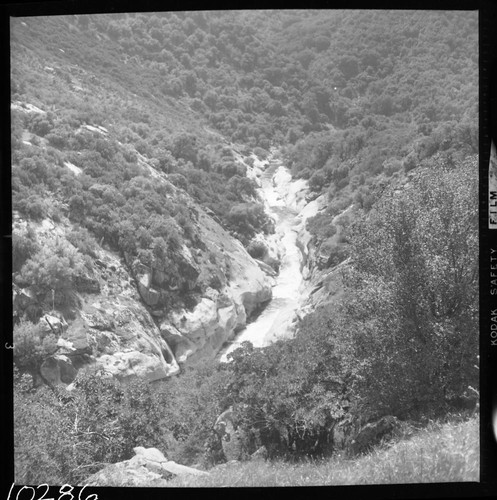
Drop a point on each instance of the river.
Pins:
(283, 200)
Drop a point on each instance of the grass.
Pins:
(439, 453)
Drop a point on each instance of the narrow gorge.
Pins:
(285, 202)
(184, 183)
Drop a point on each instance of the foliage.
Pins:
(438, 453)
(43, 443)
(286, 401)
(247, 218)
(193, 401)
(24, 246)
(320, 226)
(415, 279)
(82, 239)
(257, 249)
(111, 418)
(54, 268)
(32, 347)
(102, 420)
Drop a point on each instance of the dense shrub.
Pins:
(257, 249)
(24, 246)
(321, 226)
(31, 347)
(247, 219)
(83, 241)
(66, 438)
(43, 440)
(53, 268)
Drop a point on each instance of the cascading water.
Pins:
(279, 193)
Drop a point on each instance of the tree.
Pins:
(415, 281)
(247, 219)
(349, 66)
(317, 181)
(185, 146)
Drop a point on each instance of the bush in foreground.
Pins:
(439, 453)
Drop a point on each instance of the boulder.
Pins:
(196, 324)
(231, 441)
(181, 346)
(248, 284)
(150, 454)
(128, 364)
(253, 300)
(199, 334)
(266, 268)
(149, 467)
(126, 474)
(150, 295)
(152, 280)
(65, 345)
(52, 324)
(180, 470)
(87, 283)
(77, 335)
(187, 268)
(58, 370)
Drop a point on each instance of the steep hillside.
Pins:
(123, 260)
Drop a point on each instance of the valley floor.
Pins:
(439, 453)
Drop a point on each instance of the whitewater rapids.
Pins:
(284, 201)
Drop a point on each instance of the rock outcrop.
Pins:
(58, 369)
(242, 288)
(125, 340)
(322, 274)
(154, 283)
(231, 441)
(107, 325)
(148, 468)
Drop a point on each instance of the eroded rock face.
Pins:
(242, 287)
(108, 326)
(125, 341)
(154, 283)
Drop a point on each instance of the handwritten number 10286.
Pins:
(65, 493)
